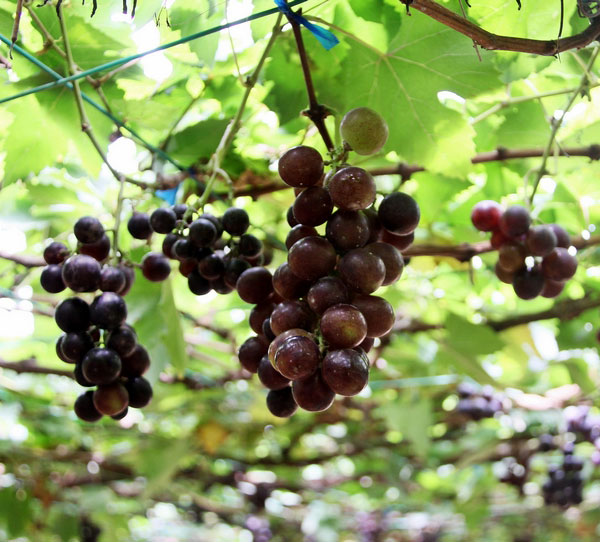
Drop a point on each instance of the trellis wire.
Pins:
(119, 62)
(97, 106)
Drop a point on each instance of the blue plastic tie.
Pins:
(326, 38)
(167, 195)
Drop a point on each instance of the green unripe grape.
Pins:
(364, 130)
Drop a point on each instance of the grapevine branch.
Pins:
(495, 42)
(316, 112)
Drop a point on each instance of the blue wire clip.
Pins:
(326, 38)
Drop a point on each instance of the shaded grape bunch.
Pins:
(478, 404)
(212, 251)
(316, 316)
(516, 240)
(96, 340)
(564, 486)
(515, 473)
(105, 353)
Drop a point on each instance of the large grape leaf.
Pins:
(402, 82)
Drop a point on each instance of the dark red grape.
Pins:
(220, 286)
(325, 293)
(139, 226)
(511, 257)
(297, 357)
(168, 244)
(110, 399)
(202, 232)
(122, 340)
(552, 288)
(486, 215)
(72, 314)
(399, 213)
(85, 409)
(391, 258)
(112, 279)
(267, 331)
(301, 166)
(121, 414)
(140, 392)
(88, 230)
(352, 188)
(562, 237)
(155, 266)
(76, 345)
(313, 206)
(291, 219)
(288, 285)
(233, 269)
(378, 313)
(515, 221)
(211, 267)
(98, 250)
(361, 270)
(180, 209)
(312, 257)
(312, 393)
(217, 222)
(135, 363)
(343, 326)
(108, 310)
(281, 402)
(498, 239)
(346, 371)
(129, 278)
(79, 378)
(289, 315)
(101, 366)
(59, 351)
(278, 341)
(250, 353)
(270, 377)
(249, 246)
(235, 221)
(184, 249)
(528, 283)
(347, 230)
(401, 242)
(81, 273)
(540, 240)
(299, 232)
(504, 275)
(258, 314)
(255, 285)
(559, 265)
(366, 345)
(163, 220)
(51, 279)
(56, 253)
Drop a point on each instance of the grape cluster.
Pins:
(564, 486)
(206, 258)
(259, 527)
(477, 405)
(96, 339)
(516, 239)
(316, 317)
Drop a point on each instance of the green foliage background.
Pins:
(197, 463)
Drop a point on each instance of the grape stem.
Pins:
(316, 112)
(86, 127)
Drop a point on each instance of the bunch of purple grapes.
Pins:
(96, 339)
(564, 486)
(206, 258)
(516, 239)
(477, 405)
(316, 317)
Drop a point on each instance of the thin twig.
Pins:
(557, 123)
(233, 127)
(15, 29)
